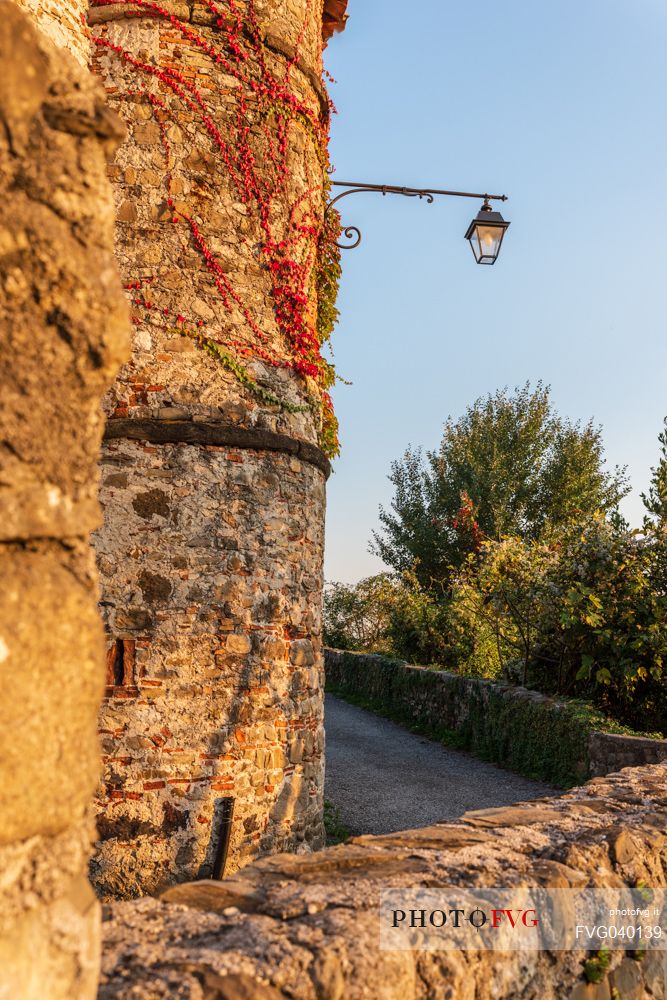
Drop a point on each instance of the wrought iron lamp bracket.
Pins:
(428, 194)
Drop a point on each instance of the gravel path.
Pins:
(383, 778)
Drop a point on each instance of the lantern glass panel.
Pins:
(487, 241)
(474, 243)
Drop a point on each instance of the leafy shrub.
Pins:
(581, 614)
(388, 614)
(357, 616)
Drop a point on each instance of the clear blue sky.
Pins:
(562, 106)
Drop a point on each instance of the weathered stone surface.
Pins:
(627, 979)
(62, 23)
(51, 588)
(611, 752)
(625, 847)
(327, 975)
(52, 223)
(308, 926)
(211, 549)
(217, 897)
(591, 991)
(654, 974)
(510, 816)
(63, 326)
(429, 837)
(216, 707)
(116, 11)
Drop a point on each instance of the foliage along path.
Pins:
(382, 778)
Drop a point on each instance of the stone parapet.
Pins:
(612, 752)
(308, 928)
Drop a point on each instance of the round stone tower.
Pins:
(215, 459)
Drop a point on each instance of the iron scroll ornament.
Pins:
(428, 194)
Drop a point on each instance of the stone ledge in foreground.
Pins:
(305, 926)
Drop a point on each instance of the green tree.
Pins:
(356, 616)
(387, 614)
(524, 468)
(655, 523)
(419, 628)
(655, 500)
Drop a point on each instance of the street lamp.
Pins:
(485, 232)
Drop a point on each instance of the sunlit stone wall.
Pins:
(211, 551)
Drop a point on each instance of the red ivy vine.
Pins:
(252, 145)
(465, 524)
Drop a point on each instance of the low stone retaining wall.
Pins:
(523, 730)
(307, 927)
(610, 752)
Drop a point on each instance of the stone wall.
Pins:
(612, 752)
(222, 696)
(63, 23)
(63, 327)
(213, 482)
(523, 730)
(307, 928)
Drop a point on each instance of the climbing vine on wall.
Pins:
(250, 140)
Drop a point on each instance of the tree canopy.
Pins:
(513, 463)
(655, 500)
